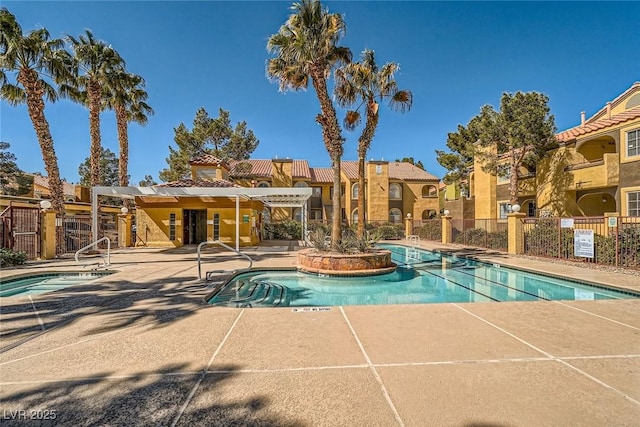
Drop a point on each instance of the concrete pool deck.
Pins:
(140, 347)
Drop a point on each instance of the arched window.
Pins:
(354, 216)
(263, 184)
(428, 214)
(301, 184)
(429, 191)
(395, 215)
(355, 191)
(297, 214)
(395, 191)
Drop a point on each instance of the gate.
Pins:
(21, 230)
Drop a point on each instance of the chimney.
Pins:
(582, 113)
(609, 110)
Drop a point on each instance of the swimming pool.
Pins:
(45, 282)
(421, 277)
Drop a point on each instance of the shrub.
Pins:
(431, 230)
(480, 237)
(9, 257)
(286, 230)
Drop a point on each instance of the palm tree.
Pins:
(33, 57)
(306, 49)
(96, 62)
(125, 94)
(364, 83)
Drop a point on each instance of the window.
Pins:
(316, 191)
(395, 191)
(297, 214)
(378, 169)
(216, 226)
(172, 226)
(504, 174)
(331, 191)
(315, 214)
(505, 208)
(263, 184)
(395, 216)
(531, 209)
(429, 214)
(633, 203)
(354, 216)
(633, 143)
(301, 184)
(355, 191)
(429, 191)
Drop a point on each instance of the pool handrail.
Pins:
(413, 238)
(219, 243)
(107, 261)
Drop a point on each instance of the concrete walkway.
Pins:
(140, 347)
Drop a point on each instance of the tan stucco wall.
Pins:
(378, 191)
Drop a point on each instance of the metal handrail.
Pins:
(107, 262)
(218, 242)
(413, 238)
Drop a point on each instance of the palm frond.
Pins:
(13, 94)
(401, 101)
(351, 120)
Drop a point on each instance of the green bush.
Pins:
(387, 231)
(10, 257)
(480, 237)
(432, 230)
(286, 230)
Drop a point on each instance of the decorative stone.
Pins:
(336, 264)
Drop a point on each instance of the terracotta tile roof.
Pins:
(43, 181)
(601, 113)
(206, 160)
(321, 175)
(350, 169)
(218, 183)
(407, 172)
(592, 126)
(259, 168)
(300, 169)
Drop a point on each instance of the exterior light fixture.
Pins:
(446, 212)
(515, 208)
(409, 215)
(45, 204)
(124, 210)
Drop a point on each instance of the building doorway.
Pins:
(195, 226)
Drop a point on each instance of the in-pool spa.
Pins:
(45, 282)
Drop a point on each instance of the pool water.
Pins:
(46, 282)
(421, 277)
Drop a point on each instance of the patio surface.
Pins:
(140, 347)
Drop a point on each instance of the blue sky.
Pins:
(454, 57)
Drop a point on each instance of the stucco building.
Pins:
(595, 170)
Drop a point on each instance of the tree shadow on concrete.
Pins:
(143, 399)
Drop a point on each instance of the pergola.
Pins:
(272, 197)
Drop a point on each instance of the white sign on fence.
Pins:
(566, 222)
(583, 243)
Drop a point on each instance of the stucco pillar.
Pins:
(515, 230)
(48, 234)
(408, 226)
(124, 230)
(446, 229)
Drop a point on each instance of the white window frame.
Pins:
(502, 213)
(633, 203)
(300, 184)
(297, 214)
(636, 143)
(399, 187)
(354, 216)
(264, 184)
(317, 191)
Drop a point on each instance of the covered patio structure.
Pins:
(270, 197)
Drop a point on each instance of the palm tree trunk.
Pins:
(334, 144)
(94, 92)
(364, 142)
(35, 105)
(123, 141)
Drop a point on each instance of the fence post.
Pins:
(124, 230)
(48, 234)
(515, 232)
(446, 229)
(408, 226)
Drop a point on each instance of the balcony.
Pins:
(597, 173)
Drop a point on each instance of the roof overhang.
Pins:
(272, 197)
